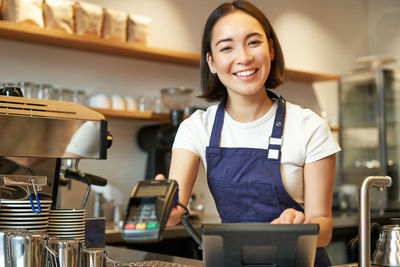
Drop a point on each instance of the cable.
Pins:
(189, 228)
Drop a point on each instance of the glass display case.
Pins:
(370, 128)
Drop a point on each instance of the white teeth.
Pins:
(245, 73)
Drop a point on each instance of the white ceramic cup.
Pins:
(131, 103)
(100, 101)
(118, 102)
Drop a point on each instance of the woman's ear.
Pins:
(271, 49)
(210, 63)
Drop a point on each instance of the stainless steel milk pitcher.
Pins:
(95, 257)
(26, 249)
(68, 251)
(3, 246)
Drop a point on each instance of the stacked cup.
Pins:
(67, 224)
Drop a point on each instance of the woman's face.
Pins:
(241, 54)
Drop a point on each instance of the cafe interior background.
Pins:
(316, 36)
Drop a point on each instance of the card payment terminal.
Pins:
(149, 206)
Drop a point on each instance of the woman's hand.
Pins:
(183, 169)
(291, 216)
(175, 215)
(176, 212)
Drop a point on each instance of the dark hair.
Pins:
(212, 88)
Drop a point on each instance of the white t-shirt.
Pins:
(306, 138)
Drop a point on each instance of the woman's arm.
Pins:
(183, 169)
(319, 178)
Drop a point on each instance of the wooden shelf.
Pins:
(132, 115)
(309, 76)
(146, 115)
(35, 34)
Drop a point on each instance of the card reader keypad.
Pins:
(143, 217)
(149, 206)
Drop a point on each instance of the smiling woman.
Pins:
(241, 55)
(262, 32)
(266, 160)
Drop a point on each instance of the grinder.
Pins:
(157, 140)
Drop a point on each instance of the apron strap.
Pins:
(275, 140)
(217, 126)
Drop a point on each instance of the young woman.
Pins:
(266, 160)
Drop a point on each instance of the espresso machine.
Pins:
(37, 135)
(37, 130)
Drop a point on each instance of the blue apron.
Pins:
(246, 183)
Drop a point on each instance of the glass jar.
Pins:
(9, 84)
(47, 91)
(29, 89)
(143, 104)
(158, 106)
(80, 97)
(66, 95)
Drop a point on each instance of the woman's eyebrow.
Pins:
(230, 39)
(224, 40)
(253, 34)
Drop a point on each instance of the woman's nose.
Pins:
(243, 56)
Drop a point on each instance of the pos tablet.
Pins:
(259, 244)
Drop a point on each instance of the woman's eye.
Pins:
(254, 42)
(225, 49)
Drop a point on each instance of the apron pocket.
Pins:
(244, 202)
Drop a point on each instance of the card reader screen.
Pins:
(153, 190)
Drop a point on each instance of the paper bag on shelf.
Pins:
(88, 19)
(23, 11)
(114, 25)
(59, 14)
(138, 29)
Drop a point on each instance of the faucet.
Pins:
(364, 234)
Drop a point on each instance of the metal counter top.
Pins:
(124, 255)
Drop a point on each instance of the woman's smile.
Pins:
(246, 75)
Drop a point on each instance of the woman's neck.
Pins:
(248, 108)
